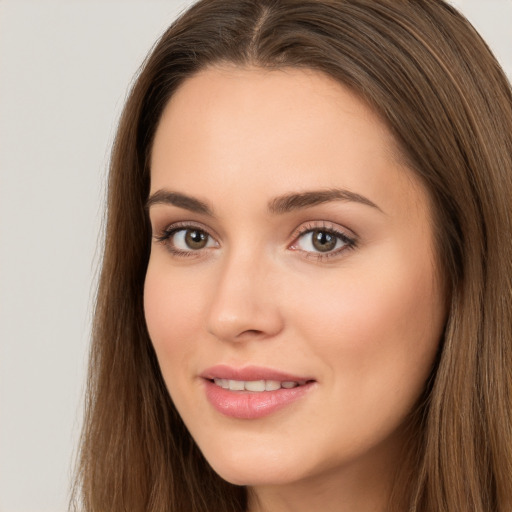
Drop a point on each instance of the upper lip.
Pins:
(250, 373)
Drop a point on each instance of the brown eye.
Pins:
(196, 239)
(323, 241)
(188, 240)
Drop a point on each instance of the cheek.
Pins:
(378, 331)
(172, 309)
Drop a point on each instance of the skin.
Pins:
(363, 321)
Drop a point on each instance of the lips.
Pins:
(252, 392)
(257, 386)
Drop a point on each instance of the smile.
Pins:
(256, 386)
(252, 392)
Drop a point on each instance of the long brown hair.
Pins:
(433, 80)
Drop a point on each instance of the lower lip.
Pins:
(249, 405)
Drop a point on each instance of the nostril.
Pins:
(236, 319)
(249, 334)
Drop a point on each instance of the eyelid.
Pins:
(348, 237)
(164, 235)
(187, 224)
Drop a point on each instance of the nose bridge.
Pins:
(243, 304)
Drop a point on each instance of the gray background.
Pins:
(65, 68)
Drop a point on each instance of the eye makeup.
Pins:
(320, 240)
(317, 240)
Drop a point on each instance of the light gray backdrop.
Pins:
(65, 68)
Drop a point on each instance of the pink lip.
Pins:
(222, 371)
(248, 404)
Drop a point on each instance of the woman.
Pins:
(307, 281)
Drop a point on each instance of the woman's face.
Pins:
(292, 263)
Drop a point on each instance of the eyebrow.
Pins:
(180, 200)
(297, 201)
(277, 206)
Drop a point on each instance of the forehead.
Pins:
(230, 130)
(270, 105)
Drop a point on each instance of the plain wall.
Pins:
(65, 68)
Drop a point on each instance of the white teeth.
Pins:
(272, 385)
(223, 383)
(236, 385)
(255, 385)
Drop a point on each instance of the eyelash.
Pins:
(165, 236)
(349, 242)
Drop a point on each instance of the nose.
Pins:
(244, 304)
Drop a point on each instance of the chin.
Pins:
(244, 469)
(250, 477)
